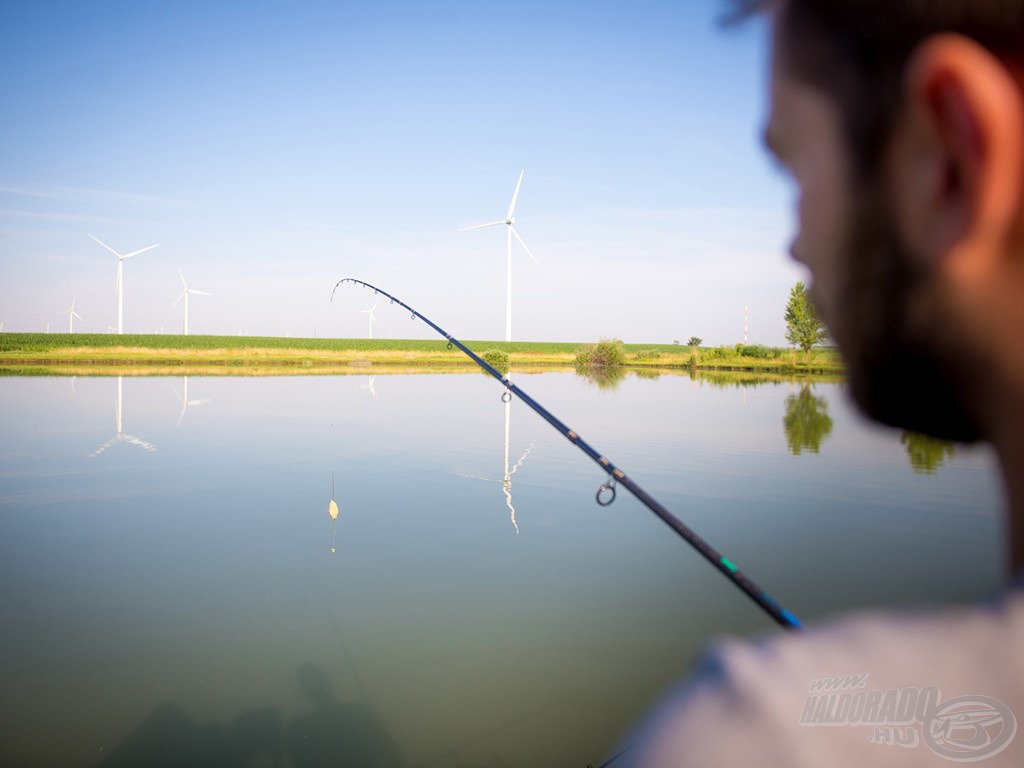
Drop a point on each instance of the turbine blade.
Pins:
(141, 250)
(201, 293)
(76, 314)
(180, 297)
(106, 246)
(515, 195)
(523, 244)
(182, 279)
(481, 226)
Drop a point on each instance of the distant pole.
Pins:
(745, 326)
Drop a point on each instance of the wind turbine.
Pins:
(372, 321)
(71, 317)
(508, 221)
(120, 277)
(185, 293)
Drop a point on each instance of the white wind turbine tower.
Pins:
(120, 278)
(185, 294)
(508, 221)
(71, 317)
(372, 321)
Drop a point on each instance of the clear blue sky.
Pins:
(274, 148)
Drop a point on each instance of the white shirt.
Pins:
(885, 690)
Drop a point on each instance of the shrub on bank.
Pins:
(497, 358)
(605, 354)
(646, 354)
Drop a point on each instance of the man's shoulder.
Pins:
(863, 688)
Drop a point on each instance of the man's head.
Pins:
(902, 123)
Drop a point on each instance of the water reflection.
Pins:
(120, 436)
(607, 377)
(927, 453)
(369, 385)
(526, 650)
(737, 379)
(506, 479)
(185, 402)
(806, 421)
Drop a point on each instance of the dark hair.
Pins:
(857, 51)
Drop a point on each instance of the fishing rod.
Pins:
(606, 493)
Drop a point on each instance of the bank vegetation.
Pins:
(101, 354)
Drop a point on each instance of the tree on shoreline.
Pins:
(804, 328)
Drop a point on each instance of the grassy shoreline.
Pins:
(102, 354)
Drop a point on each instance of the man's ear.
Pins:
(958, 154)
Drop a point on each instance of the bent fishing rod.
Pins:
(606, 493)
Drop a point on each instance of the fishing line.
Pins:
(606, 493)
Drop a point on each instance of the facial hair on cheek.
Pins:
(904, 365)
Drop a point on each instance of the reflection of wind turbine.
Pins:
(121, 437)
(372, 321)
(506, 480)
(509, 221)
(332, 510)
(185, 402)
(185, 294)
(120, 278)
(369, 386)
(71, 317)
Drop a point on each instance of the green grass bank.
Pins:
(60, 353)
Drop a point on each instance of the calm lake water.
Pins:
(173, 586)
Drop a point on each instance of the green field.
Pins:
(52, 342)
(78, 354)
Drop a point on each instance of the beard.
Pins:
(907, 365)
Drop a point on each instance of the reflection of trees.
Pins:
(927, 453)
(734, 379)
(604, 376)
(647, 373)
(807, 422)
